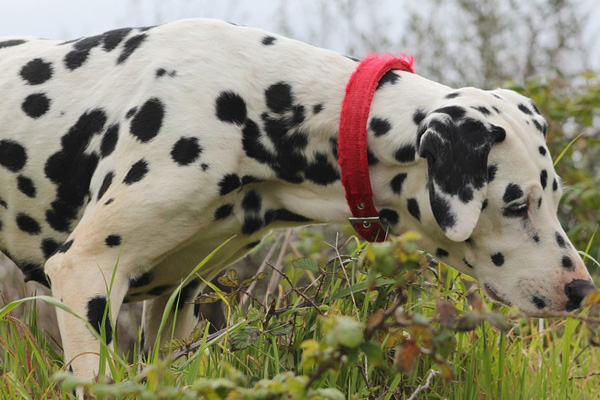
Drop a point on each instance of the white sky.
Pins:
(69, 19)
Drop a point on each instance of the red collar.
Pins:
(352, 141)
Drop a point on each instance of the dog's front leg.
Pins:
(86, 288)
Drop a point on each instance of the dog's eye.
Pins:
(516, 210)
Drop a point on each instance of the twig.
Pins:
(596, 373)
(193, 346)
(424, 386)
(274, 281)
(262, 267)
(339, 257)
(306, 298)
(369, 330)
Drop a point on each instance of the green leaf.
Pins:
(207, 298)
(281, 329)
(230, 279)
(373, 353)
(306, 263)
(346, 332)
(244, 338)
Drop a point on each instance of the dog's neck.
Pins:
(390, 151)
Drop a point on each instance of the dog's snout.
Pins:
(576, 291)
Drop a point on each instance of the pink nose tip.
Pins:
(576, 290)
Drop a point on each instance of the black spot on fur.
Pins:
(231, 108)
(397, 183)
(418, 116)
(405, 154)
(544, 178)
(498, 259)
(33, 272)
(224, 211)
(81, 51)
(484, 204)
(130, 46)
(36, 71)
(371, 159)
(252, 224)
(492, 169)
(136, 173)
(317, 108)
(160, 290)
(554, 185)
(186, 150)
(268, 40)
(455, 112)
(161, 72)
(98, 315)
(109, 140)
(512, 192)
(107, 202)
(524, 109)
(251, 202)
(11, 43)
(542, 150)
(441, 253)
(321, 171)
(252, 245)
(413, 208)
(28, 224)
(49, 247)
(36, 105)
(113, 240)
(539, 302)
(281, 214)
(106, 182)
(248, 179)
(536, 238)
(380, 126)
(567, 263)
(467, 263)
(66, 246)
(452, 95)
(389, 77)
(560, 240)
(131, 112)
(142, 280)
(12, 155)
(186, 294)
(279, 97)
(148, 120)
(484, 110)
(26, 186)
(229, 183)
(388, 217)
(113, 38)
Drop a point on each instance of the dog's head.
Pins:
(494, 193)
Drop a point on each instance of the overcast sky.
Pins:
(68, 19)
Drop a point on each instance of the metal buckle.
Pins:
(365, 221)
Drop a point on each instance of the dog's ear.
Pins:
(457, 152)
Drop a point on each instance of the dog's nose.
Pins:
(576, 290)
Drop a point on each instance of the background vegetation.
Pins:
(335, 318)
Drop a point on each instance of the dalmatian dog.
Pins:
(127, 157)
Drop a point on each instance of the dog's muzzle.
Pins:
(576, 290)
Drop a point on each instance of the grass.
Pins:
(389, 324)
